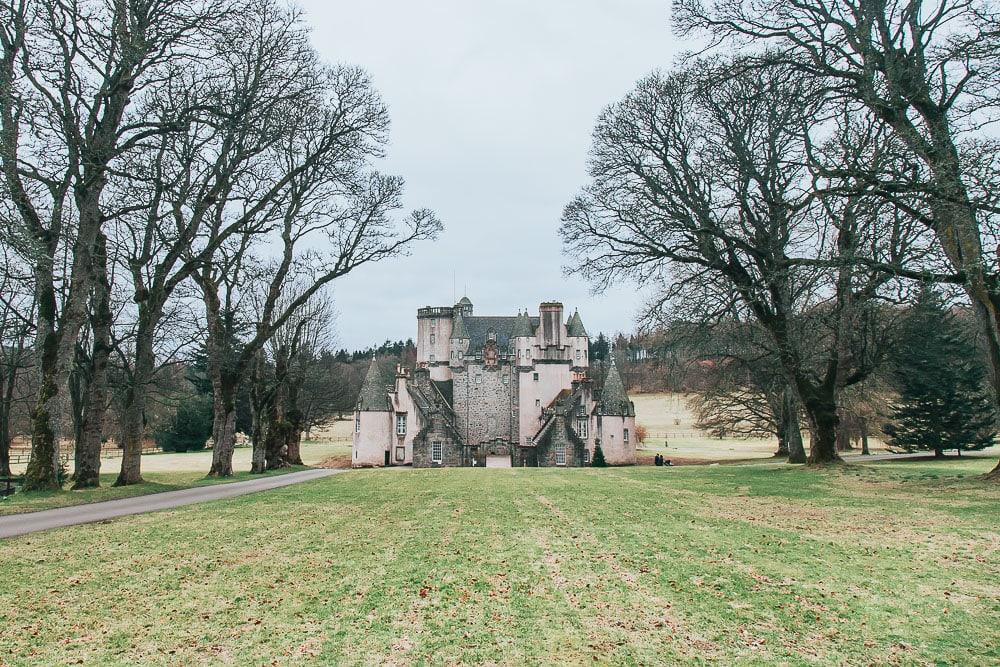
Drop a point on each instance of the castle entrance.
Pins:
(498, 461)
(497, 454)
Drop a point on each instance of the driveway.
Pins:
(31, 522)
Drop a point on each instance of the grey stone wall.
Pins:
(545, 452)
(438, 427)
(452, 452)
(484, 400)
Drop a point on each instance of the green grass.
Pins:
(876, 564)
(155, 482)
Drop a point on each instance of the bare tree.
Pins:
(71, 77)
(92, 397)
(220, 176)
(703, 176)
(328, 229)
(16, 330)
(928, 71)
(743, 390)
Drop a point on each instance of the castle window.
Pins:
(577, 353)
(437, 452)
(538, 402)
(357, 423)
(479, 379)
(534, 376)
(401, 424)
(432, 357)
(560, 454)
(433, 339)
(625, 436)
(581, 428)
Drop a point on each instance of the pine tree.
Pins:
(599, 461)
(944, 402)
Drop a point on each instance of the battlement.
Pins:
(434, 312)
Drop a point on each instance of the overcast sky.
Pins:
(492, 105)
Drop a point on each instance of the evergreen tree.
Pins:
(600, 348)
(599, 461)
(944, 402)
(190, 428)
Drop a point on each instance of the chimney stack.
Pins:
(551, 314)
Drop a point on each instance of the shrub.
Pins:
(641, 433)
(599, 461)
(190, 427)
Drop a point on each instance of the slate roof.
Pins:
(458, 327)
(374, 396)
(575, 326)
(522, 327)
(614, 400)
(477, 328)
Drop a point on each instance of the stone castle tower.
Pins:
(494, 391)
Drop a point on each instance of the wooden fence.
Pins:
(18, 456)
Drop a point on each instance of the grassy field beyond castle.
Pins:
(741, 564)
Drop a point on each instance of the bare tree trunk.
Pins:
(843, 438)
(294, 420)
(87, 473)
(864, 439)
(6, 403)
(224, 429)
(793, 432)
(260, 422)
(277, 428)
(134, 427)
(823, 423)
(782, 442)
(43, 467)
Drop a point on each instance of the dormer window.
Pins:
(491, 335)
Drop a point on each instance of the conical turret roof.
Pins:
(374, 391)
(575, 326)
(522, 327)
(458, 330)
(614, 400)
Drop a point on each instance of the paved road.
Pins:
(30, 522)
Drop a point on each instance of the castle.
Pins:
(494, 391)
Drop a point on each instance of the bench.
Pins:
(6, 486)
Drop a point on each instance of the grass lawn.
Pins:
(887, 563)
(671, 425)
